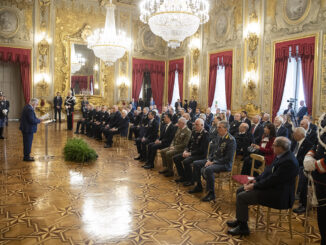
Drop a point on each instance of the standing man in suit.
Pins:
(193, 104)
(229, 116)
(220, 160)
(3, 114)
(300, 148)
(257, 130)
(273, 188)
(303, 110)
(28, 126)
(177, 104)
(196, 150)
(70, 104)
(245, 119)
(280, 129)
(185, 105)
(166, 136)
(57, 103)
(178, 144)
(7, 104)
(133, 103)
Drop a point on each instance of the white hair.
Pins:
(280, 118)
(301, 131)
(201, 121)
(183, 120)
(34, 101)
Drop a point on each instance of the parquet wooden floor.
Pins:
(112, 201)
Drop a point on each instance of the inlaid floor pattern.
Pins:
(113, 201)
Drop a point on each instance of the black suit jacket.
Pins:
(313, 127)
(282, 131)
(28, 120)
(303, 150)
(167, 135)
(247, 121)
(152, 130)
(231, 118)
(276, 184)
(234, 127)
(115, 119)
(311, 135)
(258, 134)
(177, 104)
(302, 112)
(243, 142)
(57, 102)
(8, 104)
(209, 118)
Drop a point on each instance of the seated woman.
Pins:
(265, 149)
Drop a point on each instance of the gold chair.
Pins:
(260, 169)
(226, 176)
(280, 214)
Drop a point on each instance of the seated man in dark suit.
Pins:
(121, 128)
(229, 116)
(234, 126)
(28, 126)
(81, 122)
(134, 128)
(166, 137)
(149, 137)
(257, 130)
(209, 117)
(273, 188)
(244, 139)
(219, 160)
(280, 129)
(300, 147)
(196, 150)
(312, 126)
(311, 135)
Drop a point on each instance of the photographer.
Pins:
(289, 110)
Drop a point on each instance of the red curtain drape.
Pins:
(306, 52)
(157, 73)
(307, 49)
(23, 58)
(81, 80)
(227, 63)
(173, 66)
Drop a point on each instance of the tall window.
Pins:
(176, 93)
(293, 88)
(219, 95)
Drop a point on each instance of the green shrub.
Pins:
(77, 150)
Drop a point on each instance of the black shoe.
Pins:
(163, 171)
(209, 197)
(232, 223)
(76, 132)
(29, 159)
(142, 160)
(188, 183)
(180, 180)
(242, 230)
(148, 166)
(2, 138)
(168, 174)
(300, 210)
(197, 189)
(137, 158)
(107, 146)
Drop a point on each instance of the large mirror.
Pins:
(84, 70)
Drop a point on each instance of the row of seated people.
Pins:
(187, 149)
(103, 121)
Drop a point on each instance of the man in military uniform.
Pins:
(95, 122)
(178, 144)
(84, 105)
(220, 160)
(315, 163)
(97, 131)
(196, 150)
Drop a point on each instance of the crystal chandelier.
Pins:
(106, 43)
(77, 60)
(174, 20)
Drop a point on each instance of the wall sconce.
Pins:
(194, 85)
(252, 32)
(123, 84)
(42, 81)
(194, 46)
(96, 67)
(250, 83)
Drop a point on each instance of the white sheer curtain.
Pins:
(176, 93)
(141, 92)
(291, 84)
(219, 95)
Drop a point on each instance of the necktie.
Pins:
(296, 149)
(253, 129)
